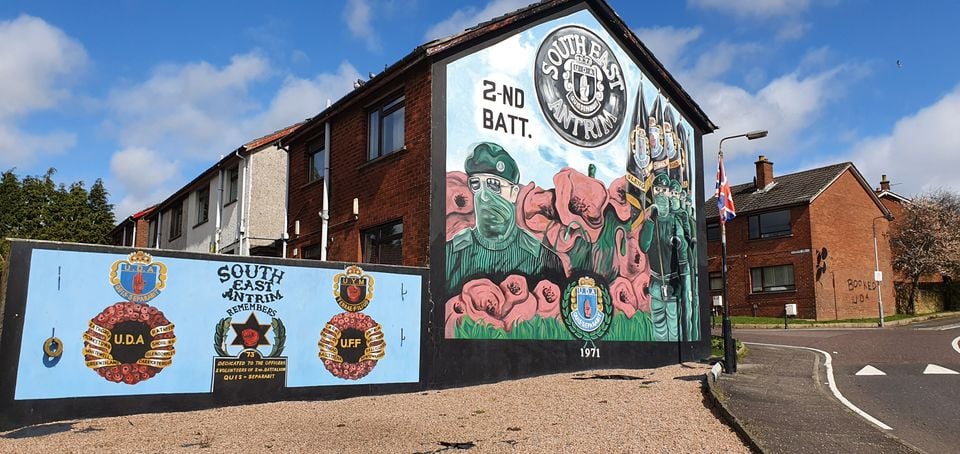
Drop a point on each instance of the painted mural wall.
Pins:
(103, 324)
(569, 194)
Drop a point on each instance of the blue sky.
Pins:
(147, 94)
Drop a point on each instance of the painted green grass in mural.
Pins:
(638, 328)
(535, 328)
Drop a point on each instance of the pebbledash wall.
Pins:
(567, 174)
(97, 330)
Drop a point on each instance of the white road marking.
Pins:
(941, 328)
(956, 344)
(933, 369)
(870, 370)
(833, 385)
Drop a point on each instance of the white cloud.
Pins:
(792, 31)
(921, 151)
(183, 116)
(357, 16)
(193, 109)
(145, 175)
(753, 8)
(37, 63)
(299, 98)
(464, 18)
(666, 43)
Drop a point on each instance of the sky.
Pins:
(146, 94)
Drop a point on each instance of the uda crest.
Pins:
(138, 278)
(353, 289)
(580, 86)
(588, 310)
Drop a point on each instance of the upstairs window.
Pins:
(384, 244)
(716, 281)
(385, 128)
(316, 162)
(772, 279)
(176, 220)
(770, 225)
(713, 231)
(233, 185)
(203, 205)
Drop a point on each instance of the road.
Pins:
(904, 379)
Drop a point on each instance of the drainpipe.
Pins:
(133, 242)
(240, 213)
(325, 213)
(285, 235)
(159, 226)
(219, 221)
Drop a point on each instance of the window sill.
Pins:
(311, 184)
(174, 238)
(384, 158)
(230, 203)
(773, 292)
(200, 223)
(777, 237)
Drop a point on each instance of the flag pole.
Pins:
(729, 349)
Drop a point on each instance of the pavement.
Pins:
(809, 392)
(780, 400)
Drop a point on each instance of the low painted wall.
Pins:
(91, 330)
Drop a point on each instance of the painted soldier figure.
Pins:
(662, 239)
(496, 246)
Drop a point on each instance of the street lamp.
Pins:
(729, 350)
(876, 257)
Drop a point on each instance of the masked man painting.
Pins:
(495, 247)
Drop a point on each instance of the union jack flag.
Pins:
(724, 196)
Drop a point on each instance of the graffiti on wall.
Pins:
(569, 194)
(210, 326)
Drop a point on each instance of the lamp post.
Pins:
(876, 258)
(729, 350)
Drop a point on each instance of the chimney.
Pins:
(884, 183)
(764, 173)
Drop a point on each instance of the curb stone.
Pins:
(713, 396)
(905, 321)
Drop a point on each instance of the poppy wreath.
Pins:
(332, 337)
(100, 341)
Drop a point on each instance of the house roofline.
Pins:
(438, 49)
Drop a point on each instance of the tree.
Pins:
(926, 239)
(36, 208)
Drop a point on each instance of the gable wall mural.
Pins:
(570, 187)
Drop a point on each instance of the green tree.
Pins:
(35, 207)
(926, 239)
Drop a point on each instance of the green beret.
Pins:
(675, 185)
(661, 180)
(488, 157)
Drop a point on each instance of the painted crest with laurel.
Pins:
(353, 289)
(139, 278)
(588, 310)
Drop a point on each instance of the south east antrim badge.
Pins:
(353, 289)
(587, 311)
(138, 278)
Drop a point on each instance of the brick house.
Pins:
(522, 156)
(235, 206)
(134, 231)
(805, 238)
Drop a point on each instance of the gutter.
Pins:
(240, 203)
(325, 210)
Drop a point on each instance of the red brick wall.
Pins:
(843, 216)
(143, 231)
(395, 187)
(744, 254)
